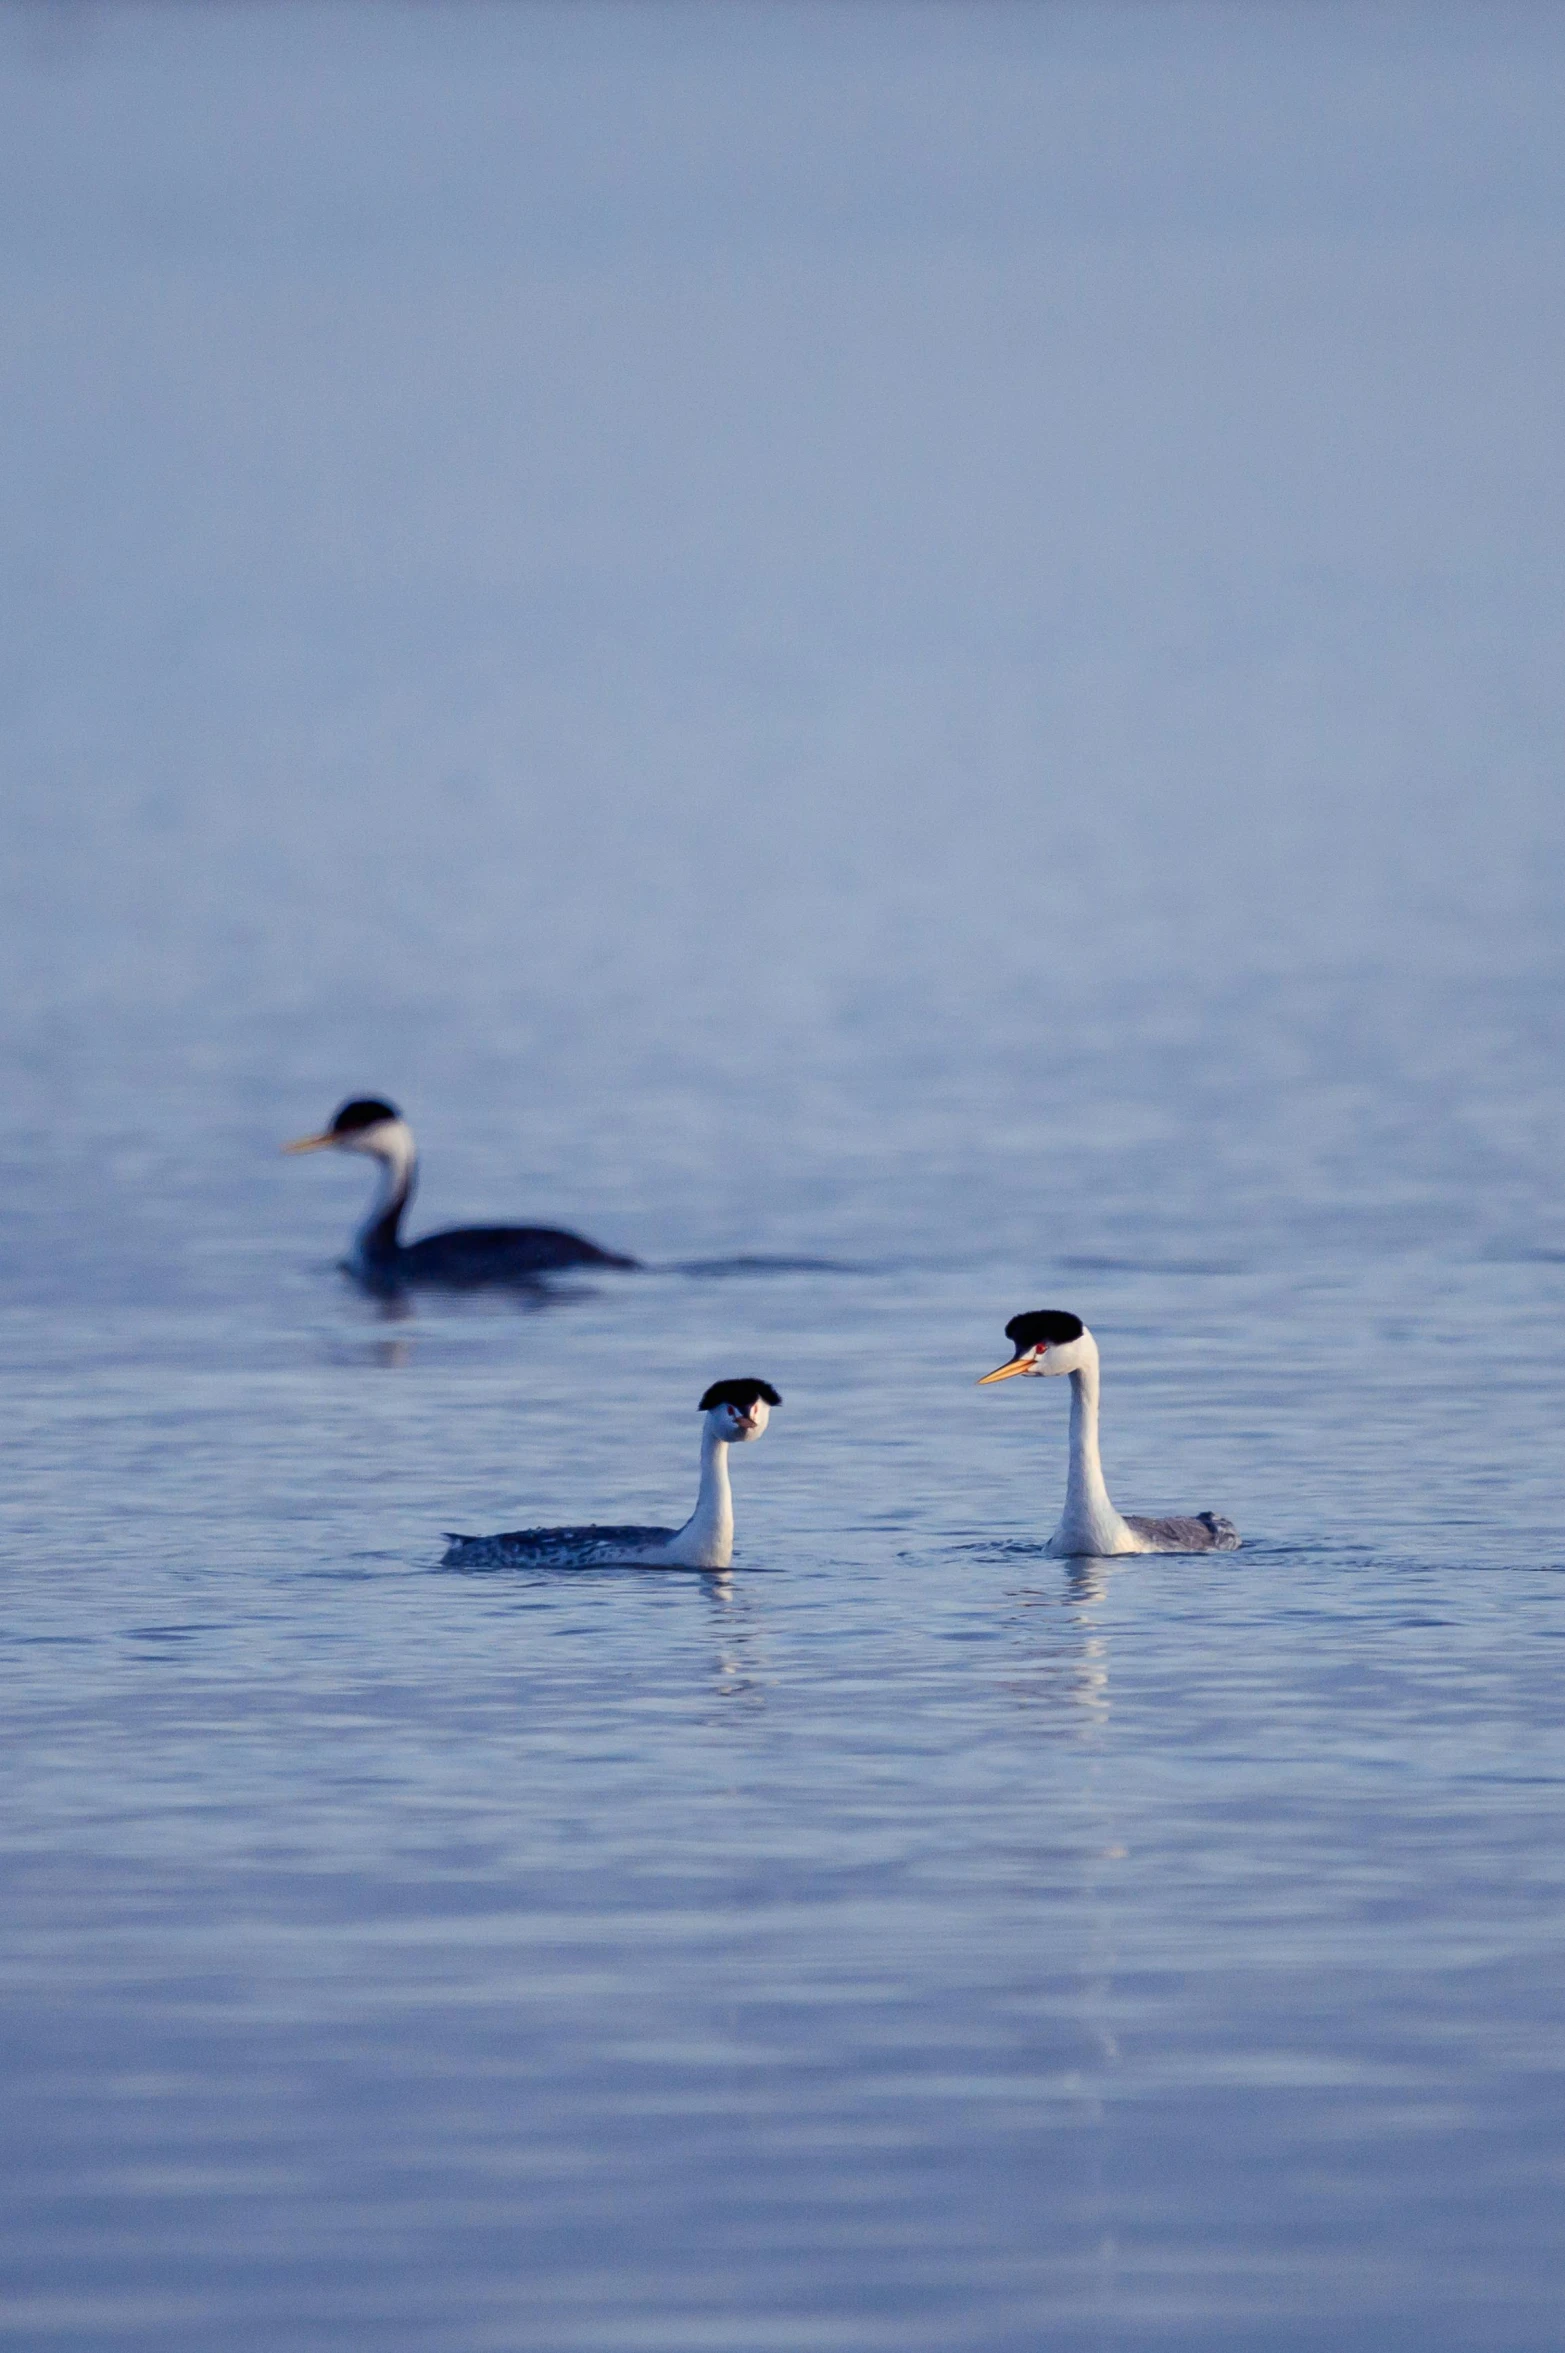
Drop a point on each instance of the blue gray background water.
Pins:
(926, 638)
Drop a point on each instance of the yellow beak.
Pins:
(1002, 1372)
(310, 1144)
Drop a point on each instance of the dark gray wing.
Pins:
(553, 1548)
(470, 1256)
(1205, 1533)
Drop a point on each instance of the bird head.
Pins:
(364, 1124)
(738, 1410)
(1046, 1340)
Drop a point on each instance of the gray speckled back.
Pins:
(1206, 1532)
(576, 1548)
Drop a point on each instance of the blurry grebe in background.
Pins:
(462, 1260)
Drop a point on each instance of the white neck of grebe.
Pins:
(706, 1541)
(398, 1156)
(1089, 1523)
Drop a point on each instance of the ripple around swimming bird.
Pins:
(759, 1263)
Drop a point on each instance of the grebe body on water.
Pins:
(466, 1258)
(1052, 1341)
(732, 1412)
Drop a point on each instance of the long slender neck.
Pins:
(1088, 1511)
(706, 1541)
(377, 1236)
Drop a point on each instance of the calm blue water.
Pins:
(920, 639)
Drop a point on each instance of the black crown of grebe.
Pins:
(732, 1412)
(465, 1258)
(1051, 1340)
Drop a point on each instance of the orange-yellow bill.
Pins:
(309, 1144)
(1003, 1372)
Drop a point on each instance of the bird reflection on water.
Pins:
(737, 1630)
(1066, 1661)
(390, 1355)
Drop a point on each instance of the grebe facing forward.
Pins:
(1052, 1341)
(462, 1260)
(733, 1411)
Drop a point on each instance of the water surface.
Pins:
(807, 674)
